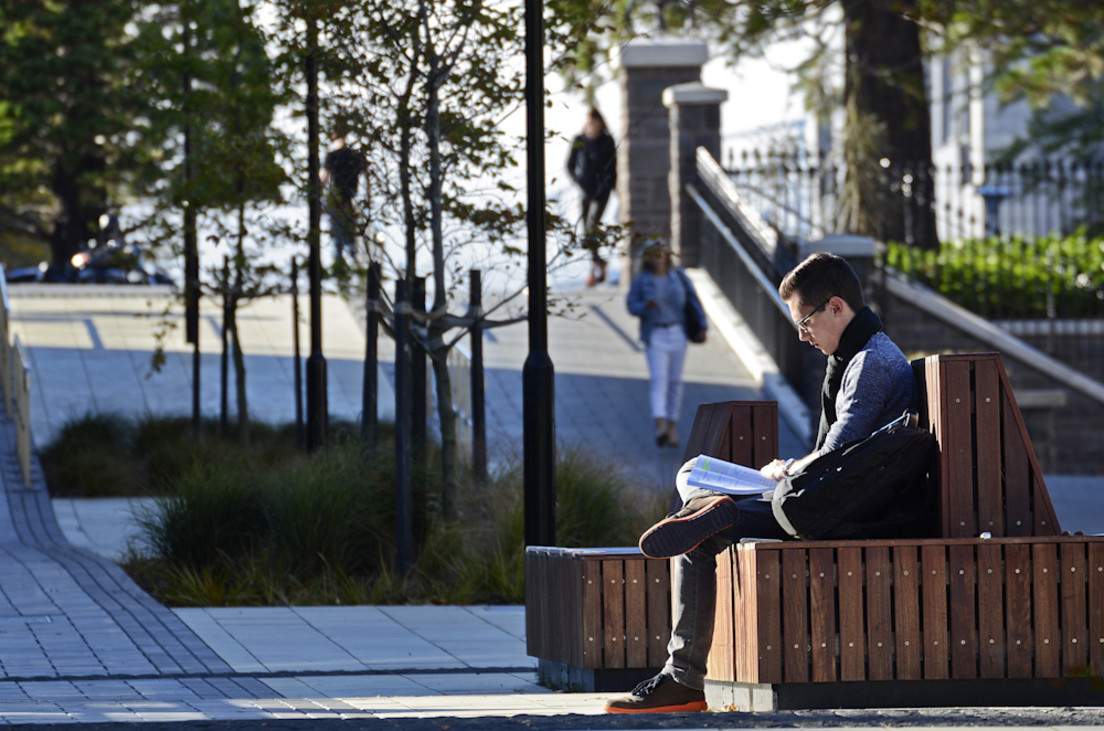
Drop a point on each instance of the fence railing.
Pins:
(747, 258)
(801, 194)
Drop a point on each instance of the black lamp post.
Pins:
(538, 376)
(317, 411)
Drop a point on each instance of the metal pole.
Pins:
(478, 404)
(369, 421)
(538, 376)
(191, 246)
(317, 411)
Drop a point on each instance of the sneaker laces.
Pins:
(646, 688)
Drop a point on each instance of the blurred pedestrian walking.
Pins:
(592, 164)
(671, 315)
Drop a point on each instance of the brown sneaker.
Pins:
(661, 694)
(684, 531)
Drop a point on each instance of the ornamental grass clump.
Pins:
(262, 523)
(91, 457)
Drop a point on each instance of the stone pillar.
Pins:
(695, 121)
(645, 67)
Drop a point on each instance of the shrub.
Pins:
(1041, 277)
(323, 532)
(90, 457)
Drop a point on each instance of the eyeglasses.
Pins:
(802, 324)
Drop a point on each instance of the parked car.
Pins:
(107, 259)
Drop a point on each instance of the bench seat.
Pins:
(999, 610)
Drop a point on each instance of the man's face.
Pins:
(820, 323)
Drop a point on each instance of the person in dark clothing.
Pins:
(868, 383)
(341, 171)
(592, 164)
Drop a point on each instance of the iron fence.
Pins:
(802, 195)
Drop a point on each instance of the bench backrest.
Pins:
(989, 478)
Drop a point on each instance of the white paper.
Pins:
(710, 473)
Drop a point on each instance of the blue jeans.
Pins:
(694, 588)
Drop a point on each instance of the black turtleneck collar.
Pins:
(854, 338)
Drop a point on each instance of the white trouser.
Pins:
(666, 352)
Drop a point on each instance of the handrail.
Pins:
(752, 267)
(716, 179)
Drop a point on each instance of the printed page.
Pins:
(710, 473)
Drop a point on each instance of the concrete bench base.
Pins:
(756, 697)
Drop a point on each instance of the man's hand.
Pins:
(775, 469)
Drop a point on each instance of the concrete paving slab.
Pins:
(107, 653)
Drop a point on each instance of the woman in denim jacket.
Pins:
(667, 305)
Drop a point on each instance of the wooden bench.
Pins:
(600, 618)
(1000, 610)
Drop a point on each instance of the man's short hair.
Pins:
(819, 277)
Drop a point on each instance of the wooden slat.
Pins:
(636, 614)
(1074, 618)
(964, 637)
(795, 617)
(990, 591)
(710, 422)
(852, 637)
(933, 397)
(1017, 474)
(1044, 560)
(822, 614)
(740, 435)
(765, 416)
(988, 461)
(592, 639)
(534, 628)
(658, 575)
(1042, 509)
(906, 613)
(879, 613)
(726, 623)
(744, 659)
(1017, 609)
(765, 595)
(613, 614)
(957, 451)
(933, 582)
(1096, 607)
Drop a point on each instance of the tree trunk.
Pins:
(885, 94)
(434, 334)
(446, 417)
(236, 349)
(81, 207)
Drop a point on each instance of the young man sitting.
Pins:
(868, 383)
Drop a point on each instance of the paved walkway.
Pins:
(80, 642)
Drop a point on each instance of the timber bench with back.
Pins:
(999, 610)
